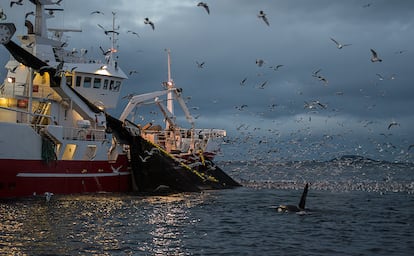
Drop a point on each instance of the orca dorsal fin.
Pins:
(303, 198)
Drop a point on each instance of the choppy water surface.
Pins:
(355, 209)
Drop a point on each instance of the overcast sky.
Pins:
(279, 121)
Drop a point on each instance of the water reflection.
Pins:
(170, 218)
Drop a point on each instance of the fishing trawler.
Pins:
(56, 135)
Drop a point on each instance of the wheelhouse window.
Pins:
(117, 86)
(69, 80)
(97, 83)
(87, 81)
(105, 85)
(78, 81)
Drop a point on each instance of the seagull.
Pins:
(133, 72)
(319, 77)
(105, 31)
(13, 70)
(105, 52)
(339, 45)
(392, 124)
(277, 67)
(317, 102)
(367, 5)
(18, 2)
(59, 69)
(315, 73)
(28, 14)
(57, 2)
(153, 150)
(116, 170)
(262, 16)
(314, 104)
(144, 159)
(147, 21)
(205, 6)
(260, 62)
(241, 107)
(400, 51)
(262, 86)
(374, 57)
(380, 77)
(48, 195)
(3, 16)
(243, 81)
(200, 65)
(322, 79)
(133, 32)
(97, 12)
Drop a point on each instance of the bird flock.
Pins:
(315, 110)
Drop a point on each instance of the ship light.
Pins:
(11, 79)
(103, 70)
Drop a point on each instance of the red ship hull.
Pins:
(22, 178)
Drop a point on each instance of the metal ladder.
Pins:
(39, 114)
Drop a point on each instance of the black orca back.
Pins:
(303, 198)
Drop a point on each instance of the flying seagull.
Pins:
(375, 57)
(28, 14)
(133, 32)
(97, 12)
(276, 68)
(339, 45)
(315, 73)
(3, 16)
(18, 2)
(205, 6)
(144, 159)
(392, 124)
(262, 16)
(259, 62)
(133, 72)
(147, 21)
(200, 65)
(262, 86)
(243, 81)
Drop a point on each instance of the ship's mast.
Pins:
(113, 33)
(170, 85)
(39, 19)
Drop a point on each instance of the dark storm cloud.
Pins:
(232, 37)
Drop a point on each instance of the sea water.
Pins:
(354, 208)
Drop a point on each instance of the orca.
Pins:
(294, 208)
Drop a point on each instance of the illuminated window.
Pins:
(69, 152)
